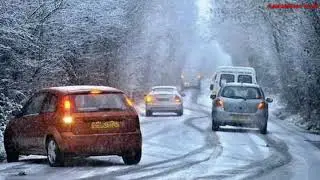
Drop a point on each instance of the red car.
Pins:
(62, 122)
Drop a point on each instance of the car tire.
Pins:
(132, 157)
(12, 155)
(180, 113)
(148, 113)
(11, 152)
(263, 128)
(214, 127)
(54, 155)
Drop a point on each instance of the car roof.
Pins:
(235, 68)
(155, 87)
(81, 89)
(242, 84)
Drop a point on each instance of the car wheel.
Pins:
(263, 128)
(12, 153)
(12, 156)
(180, 113)
(148, 113)
(132, 157)
(54, 155)
(214, 127)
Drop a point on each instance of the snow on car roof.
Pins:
(156, 87)
(242, 84)
(83, 88)
(240, 68)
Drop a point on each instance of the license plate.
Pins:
(105, 125)
(163, 99)
(239, 118)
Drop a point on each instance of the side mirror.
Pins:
(269, 100)
(213, 96)
(211, 87)
(16, 113)
(183, 94)
(144, 95)
(132, 100)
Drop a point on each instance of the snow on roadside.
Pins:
(279, 109)
(2, 151)
(204, 98)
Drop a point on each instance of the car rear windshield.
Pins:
(245, 79)
(241, 92)
(164, 89)
(228, 77)
(100, 102)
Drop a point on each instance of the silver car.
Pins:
(240, 104)
(164, 99)
(191, 79)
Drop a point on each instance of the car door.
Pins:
(47, 117)
(29, 123)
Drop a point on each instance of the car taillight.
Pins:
(67, 105)
(149, 99)
(67, 118)
(177, 99)
(261, 105)
(219, 103)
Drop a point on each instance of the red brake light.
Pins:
(67, 105)
(177, 99)
(67, 118)
(95, 91)
(261, 105)
(219, 103)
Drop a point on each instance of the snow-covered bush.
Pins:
(7, 105)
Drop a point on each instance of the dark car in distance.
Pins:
(63, 122)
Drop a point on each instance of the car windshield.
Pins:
(245, 79)
(100, 102)
(241, 92)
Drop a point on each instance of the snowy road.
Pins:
(186, 148)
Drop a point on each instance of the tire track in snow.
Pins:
(279, 156)
(171, 167)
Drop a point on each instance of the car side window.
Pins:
(50, 103)
(34, 104)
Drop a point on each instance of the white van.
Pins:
(227, 74)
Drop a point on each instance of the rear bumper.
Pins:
(223, 118)
(195, 83)
(100, 144)
(164, 107)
